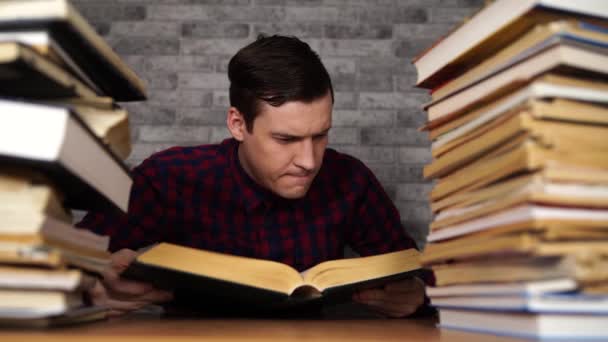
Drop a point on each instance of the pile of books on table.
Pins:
(63, 140)
(519, 128)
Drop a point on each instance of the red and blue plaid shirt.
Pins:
(202, 197)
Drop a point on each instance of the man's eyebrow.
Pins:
(291, 136)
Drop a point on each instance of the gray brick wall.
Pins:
(181, 49)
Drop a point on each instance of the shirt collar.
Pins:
(251, 194)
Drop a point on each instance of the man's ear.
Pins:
(236, 123)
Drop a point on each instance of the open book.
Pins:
(262, 282)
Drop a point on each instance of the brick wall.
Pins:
(181, 49)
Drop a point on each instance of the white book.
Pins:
(529, 325)
(522, 213)
(499, 19)
(548, 303)
(495, 289)
(55, 140)
(37, 304)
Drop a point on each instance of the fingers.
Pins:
(120, 260)
(122, 295)
(396, 299)
(392, 309)
(411, 284)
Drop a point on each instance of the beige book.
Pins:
(523, 182)
(558, 136)
(557, 110)
(28, 192)
(526, 156)
(524, 243)
(112, 126)
(536, 191)
(522, 215)
(591, 268)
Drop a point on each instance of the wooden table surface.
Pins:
(152, 328)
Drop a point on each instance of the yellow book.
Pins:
(266, 283)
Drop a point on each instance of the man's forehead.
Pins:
(296, 118)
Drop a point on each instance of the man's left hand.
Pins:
(396, 299)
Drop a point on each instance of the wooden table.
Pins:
(153, 328)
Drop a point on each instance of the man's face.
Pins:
(285, 148)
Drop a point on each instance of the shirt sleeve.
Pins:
(144, 222)
(377, 224)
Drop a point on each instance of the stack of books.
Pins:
(63, 140)
(519, 128)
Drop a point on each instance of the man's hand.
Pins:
(396, 299)
(120, 295)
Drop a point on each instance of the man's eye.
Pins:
(320, 136)
(285, 140)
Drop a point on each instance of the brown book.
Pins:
(34, 76)
(263, 282)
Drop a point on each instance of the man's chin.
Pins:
(293, 193)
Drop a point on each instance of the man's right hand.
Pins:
(121, 295)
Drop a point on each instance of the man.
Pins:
(273, 191)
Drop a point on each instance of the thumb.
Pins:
(122, 259)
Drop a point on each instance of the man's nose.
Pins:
(305, 156)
